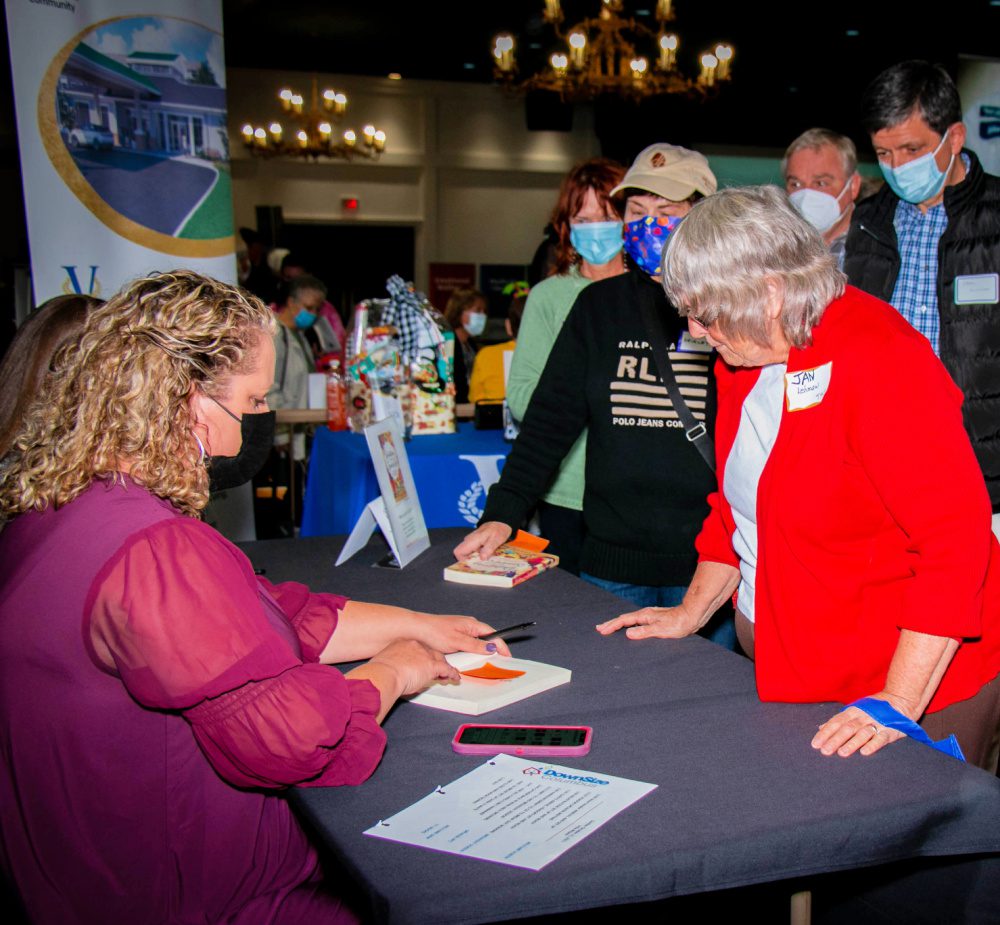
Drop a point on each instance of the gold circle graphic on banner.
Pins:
(59, 154)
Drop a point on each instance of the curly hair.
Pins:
(120, 401)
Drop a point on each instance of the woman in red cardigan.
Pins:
(852, 519)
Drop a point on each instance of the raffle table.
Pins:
(742, 798)
(452, 473)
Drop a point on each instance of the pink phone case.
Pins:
(521, 751)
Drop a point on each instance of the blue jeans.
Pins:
(720, 629)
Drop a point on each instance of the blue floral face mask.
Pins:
(644, 241)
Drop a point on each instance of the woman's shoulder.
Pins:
(861, 322)
(558, 288)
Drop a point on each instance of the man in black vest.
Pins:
(929, 241)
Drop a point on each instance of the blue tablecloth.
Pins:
(449, 470)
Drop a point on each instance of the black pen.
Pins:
(496, 634)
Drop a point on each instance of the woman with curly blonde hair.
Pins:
(153, 692)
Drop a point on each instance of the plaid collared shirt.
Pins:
(915, 295)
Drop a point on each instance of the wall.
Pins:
(460, 165)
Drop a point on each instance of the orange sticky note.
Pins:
(529, 541)
(491, 672)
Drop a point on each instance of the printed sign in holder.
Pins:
(396, 512)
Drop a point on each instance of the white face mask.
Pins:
(821, 210)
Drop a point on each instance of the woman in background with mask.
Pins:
(588, 230)
(647, 483)
(154, 693)
(466, 313)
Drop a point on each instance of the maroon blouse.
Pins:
(151, 690)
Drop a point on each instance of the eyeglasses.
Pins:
(701, 322)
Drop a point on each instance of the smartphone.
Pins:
(523, 741)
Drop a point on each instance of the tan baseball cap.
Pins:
(671, 172)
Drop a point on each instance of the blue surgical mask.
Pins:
(644, 241)
(476, 323)
(596, 242)
(304, 319)
(920, 179)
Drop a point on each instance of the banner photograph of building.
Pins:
(137, 120)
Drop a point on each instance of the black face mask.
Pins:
(258, 438)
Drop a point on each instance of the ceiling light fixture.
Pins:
(314, 133)
(605, 56)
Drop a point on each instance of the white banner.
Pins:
(121, 116)
(979, 87)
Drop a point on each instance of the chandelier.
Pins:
(314, 132)
(604, 56)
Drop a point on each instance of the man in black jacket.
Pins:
(929, 241)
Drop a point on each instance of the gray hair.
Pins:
(721, 258)
(815, 138)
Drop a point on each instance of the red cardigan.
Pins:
(872, 517)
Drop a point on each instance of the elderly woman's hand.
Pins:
(654, 622)
(458, 634)
(852, 730)
(483, 540)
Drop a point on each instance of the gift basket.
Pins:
(402, 348)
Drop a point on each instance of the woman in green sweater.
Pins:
(589, 232)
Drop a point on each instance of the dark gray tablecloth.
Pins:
(742, 797)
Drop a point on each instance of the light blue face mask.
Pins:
(920, 179)
(476, 323)
(596, 242)
(304, 319)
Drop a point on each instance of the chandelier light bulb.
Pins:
(725, 55)
(325, 128)
(577, 40)
(275, 129)
(503, 51)
(247, 131)
(350, 138)
(379, 138)
(260, 134)
(559, 63)
(638, 66)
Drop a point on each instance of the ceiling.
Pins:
(797, 64)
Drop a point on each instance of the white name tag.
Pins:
(807, 387)
(688, 344)
(983, 289)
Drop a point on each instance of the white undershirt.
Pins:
(759, 422)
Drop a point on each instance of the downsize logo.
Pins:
(574, 778)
